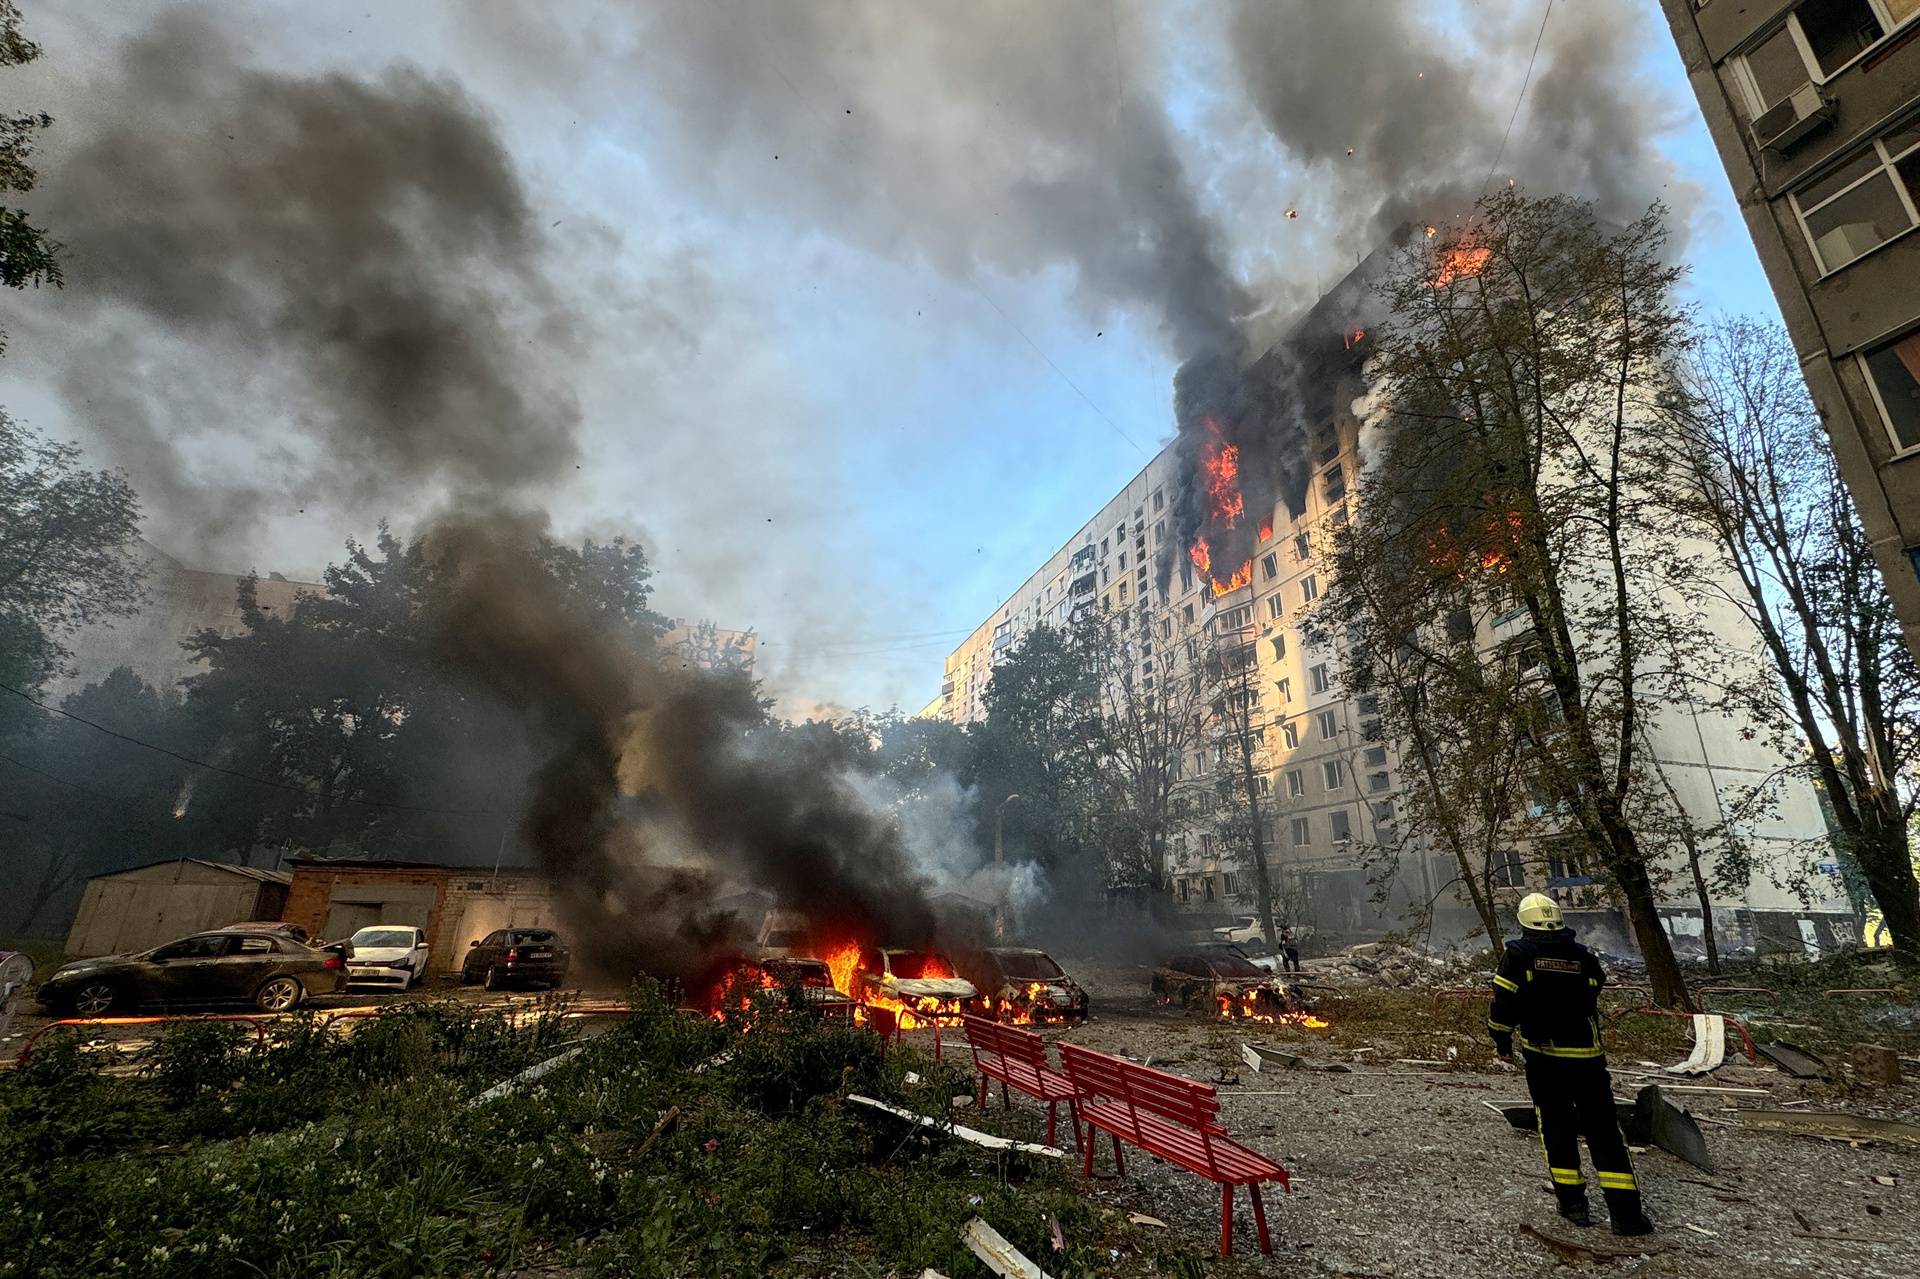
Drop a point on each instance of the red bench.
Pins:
(1172, 1118)
(1018, 1059)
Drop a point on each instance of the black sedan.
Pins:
(271, 971)
(515, 956)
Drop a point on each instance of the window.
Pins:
(1159, 532)
(1103, 548)
(1330, 773)
(1207, 883)
(1302, 547)
(1383, 810)
(1232, 883)
(1157, 500)
(1505, 871)
(1341, 825)
(1236, 619)
(1309, 589)
(1123, 592)
(1186, 584)
(1123, 561)
(1376, 756)
(1276, 606)
(1893, 371)
(1320, 679)
(1368, 705)
(254, 946)
(1269, 567)
(1290, 735)
(1263, 785)
(1279, 645)
(1329, 725)
(1302, 832)
(1186, 615)
(1296, 783)
(1865, 202)
(1816, 42)
(1378, 781)
(1284, 687)
(1185, 886)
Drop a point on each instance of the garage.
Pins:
(143, 906)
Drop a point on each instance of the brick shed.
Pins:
(455, 904)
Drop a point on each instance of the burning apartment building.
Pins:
(1219, 539)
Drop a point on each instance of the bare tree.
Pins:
(1841, 690)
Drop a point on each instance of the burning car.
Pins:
(1221, 978)
(920, 985)
(1021, 984)
(810, 978)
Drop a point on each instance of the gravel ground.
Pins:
(1403, 1171)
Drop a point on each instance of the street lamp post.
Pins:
(999, 864)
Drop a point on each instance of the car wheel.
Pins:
(95, 998)
(279, 994)
(493, 981)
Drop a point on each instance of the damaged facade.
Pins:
(1332, 785)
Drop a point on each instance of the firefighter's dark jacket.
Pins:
(1546, 997)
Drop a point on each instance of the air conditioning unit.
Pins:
(1800, 113)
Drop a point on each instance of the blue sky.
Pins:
(853, 436)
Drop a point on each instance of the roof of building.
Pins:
(260, 873)
(387, 863)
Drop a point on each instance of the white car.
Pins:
(1245, 930)
(392, 955)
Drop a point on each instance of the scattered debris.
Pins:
(526, 1076)
(1053, 1228)
(1648, 1120)
(1571, 1250)
(1876, 1063)
(911, 1077)
(985, 1140)
(1808, 1232)
(1882, 1179)
(1709, 1046)
(996, 1254)
(718, 1059)
(1701, 1230)
(1795, 1060)
(1259, 1058)
(1142, 1219)
(669, 1119)
(1833, 1125)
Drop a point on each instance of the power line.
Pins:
(1517, 101)
(308, 791)
(121, 800)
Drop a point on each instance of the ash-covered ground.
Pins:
(1400, 1169)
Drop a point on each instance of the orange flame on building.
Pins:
(1353, 339)
(1241, 576)
(1220, 475)
(1462, 261)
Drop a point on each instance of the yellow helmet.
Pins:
(1540, 913)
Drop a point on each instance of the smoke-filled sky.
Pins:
(852, 311)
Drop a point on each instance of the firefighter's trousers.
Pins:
(1573, 1098)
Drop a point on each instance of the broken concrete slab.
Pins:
(1833, 1125)
(996, 1254)
(1876, 1063)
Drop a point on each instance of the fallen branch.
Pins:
(1569, 1250)
(999, 1256)
(667, 1121)
(526, 1076)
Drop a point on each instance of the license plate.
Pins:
(537, 954)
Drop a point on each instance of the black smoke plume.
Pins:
(658, 791)
(340, 276)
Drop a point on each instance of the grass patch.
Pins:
(361, 1155)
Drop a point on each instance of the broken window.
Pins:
(1290, 735)
(1340, 825)
(1296, 783)
(1269, 567)
(1322, 681)
(1865, 203)
(1893, 371)
(1284, 687)
(1378, 781)
(1309, 589)
(1279, 643)
(1302, 547)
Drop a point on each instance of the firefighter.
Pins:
(1546, 999)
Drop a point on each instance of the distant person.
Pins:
(1546, 998)
(1289, 951)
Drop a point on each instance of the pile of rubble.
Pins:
(1384, 963)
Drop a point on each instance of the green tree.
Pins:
(86, 801)
(68, 553)
(28, 256)
(1529, 464)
